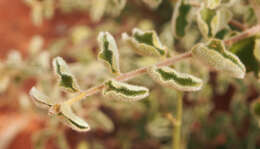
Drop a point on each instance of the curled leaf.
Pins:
(124, 91)
(212, 21)
(169, 77)
(180, 20)
(145, 43)
(40, 99)
(204, 18)
(220, 20)
(72, 120)
(108, 51)
(214, 54)
(67, 79)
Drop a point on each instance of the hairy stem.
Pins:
(247, 33)
(177, 127)
(128, 76)
(132, 74)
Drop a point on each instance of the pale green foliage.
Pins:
(40, 99)
(211, 21)
(214, 54)
(124, 91)
(41, 10)
(100, 7)
(115, 7)
(145, 43)
(180, 18)
(98, 119)
(80, 33)
(152, 3)
(97, 9)
(220, 21)
(108, 52)
(14, 59)
(36, 44)
(159, 127)
(71, 119)
(66, 78)
(169, 77)
(257, 49)
(212, 4)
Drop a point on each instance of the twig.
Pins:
(237, 24)
(132, 74)
(128, 76)
(249, 32)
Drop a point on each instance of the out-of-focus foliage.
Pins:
(223, 114)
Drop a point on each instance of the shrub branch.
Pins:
(132, 74)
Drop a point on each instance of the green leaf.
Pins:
(214, 54)
(152, 3)
(213, 4)
(244, 49)
(204, 18)
(124, 91)
(220, 20)
(180, 20)
(66, 78)
(40, 99)
(72, 120)
(169, 77)
(145, 43)
(211, 21)
(108, 51)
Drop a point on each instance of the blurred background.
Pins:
(32, 32)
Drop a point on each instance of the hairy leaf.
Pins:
(145, 42)
(108, 51)
(214, 54)
(180, 20)
(171, 78)
(124, 91)
(204, 18)
(66, 78)
(71, 119)
(40, 99)
(212, 21)
(220, 20)
(244, 49)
